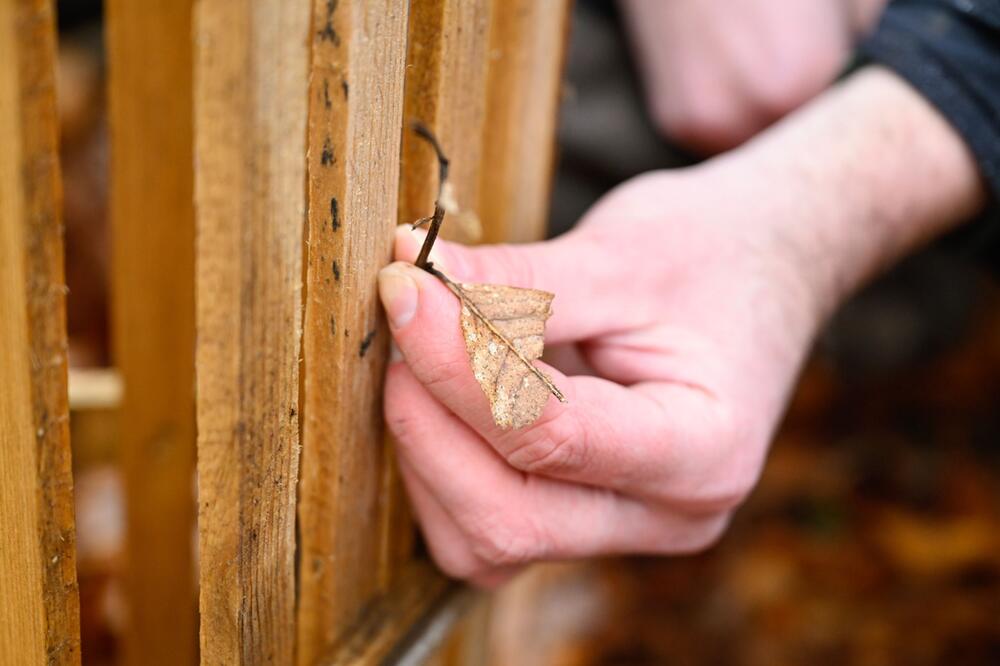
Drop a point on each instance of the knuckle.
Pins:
(455, 566)
(557, 446)
(498, 542)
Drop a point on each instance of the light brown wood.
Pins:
(39, 604)
(355, 100)
(527, 50)
(152, 216)
(251, 69)
(446, 76)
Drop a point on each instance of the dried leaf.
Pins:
(504, 329)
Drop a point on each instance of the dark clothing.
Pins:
(949, 50)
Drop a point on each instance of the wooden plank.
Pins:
(527, 50)
(446, 77)
(39, 612)
(445, 89)
(355, 99)
(152, 216)
(251, 68)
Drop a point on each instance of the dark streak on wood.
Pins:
(336, 271)
(333, 325)
(345, 87)
(326, 159)
(366, 343)
(328, 33)
(334, 214)
(326, 94)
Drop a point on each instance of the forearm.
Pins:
(854, 181)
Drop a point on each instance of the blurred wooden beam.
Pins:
(39, 603)
(152, 216)
(527, 52)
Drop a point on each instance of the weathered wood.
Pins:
(355, 100)
(39, 604)
(152, 217)
(251, 68)
(446, 77)
(527, 50)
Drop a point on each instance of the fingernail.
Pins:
(398, 292)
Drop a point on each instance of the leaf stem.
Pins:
(427, 135)
(478, 314)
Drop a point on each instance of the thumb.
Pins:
(588, 289)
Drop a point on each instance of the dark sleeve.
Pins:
(949, 50)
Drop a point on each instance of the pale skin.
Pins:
(716, 73)
(689, 298)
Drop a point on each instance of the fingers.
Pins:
(483, 518)
(571, 267)
(448, 545)
(655, 440)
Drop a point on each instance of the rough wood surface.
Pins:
(355, 107)
(39, 604)
(251, 68)
(446, 76)
(152, 216)
(527, 50)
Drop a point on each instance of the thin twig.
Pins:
(432, 232)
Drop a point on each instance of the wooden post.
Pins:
(527, 53)
(251, 69)
(446, 76)
(152, 216)
(355, 107)
(39, 605)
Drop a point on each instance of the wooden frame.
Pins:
(260, 162)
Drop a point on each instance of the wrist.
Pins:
(853, 182)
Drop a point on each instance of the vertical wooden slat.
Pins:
(355, 100)
(251, 69)
(446, 76)
(39, 604)
(527, 50)
(152, 215)
(445, 86)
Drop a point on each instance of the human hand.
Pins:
(691, 298)
(718, 72)
(690, 330)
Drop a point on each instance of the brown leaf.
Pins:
(504, 329)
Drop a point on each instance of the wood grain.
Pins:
(355, 107)
(39, 611)
(152, 217)
(527, 52)
(446, 77)
(251, 68)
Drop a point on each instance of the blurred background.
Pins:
(873, 536)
